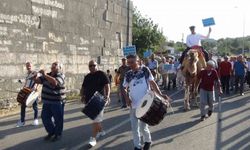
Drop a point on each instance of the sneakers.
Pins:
(35, 123)
(48, 137)
(203, 118)
(56, 138)
(209, 113)
(20, 124)
(100, 134)
(146, 146)
(92, 141)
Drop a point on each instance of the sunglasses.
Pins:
(92, 65)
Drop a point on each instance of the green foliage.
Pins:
(146, 34)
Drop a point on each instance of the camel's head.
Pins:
(193, 55)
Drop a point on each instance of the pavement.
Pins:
(178, 131)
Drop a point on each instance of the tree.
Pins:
(146, 34)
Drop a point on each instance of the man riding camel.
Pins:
(193, 42)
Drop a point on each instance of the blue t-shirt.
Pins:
(239, 68)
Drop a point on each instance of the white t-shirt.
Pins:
(138, 84)
(153, 64)
(29, 82)
(172, 70)
(194, 39)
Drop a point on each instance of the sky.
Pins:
(232, 17)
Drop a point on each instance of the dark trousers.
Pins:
(23, 109)
(184, 53)
(124, 104)
(171, 78)
(248, 78)
(55, 110)
(239, 79)
(225, 83)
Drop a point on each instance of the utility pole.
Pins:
(128, 22)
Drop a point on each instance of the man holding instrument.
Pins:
(95, 81)
(139, 80)
(53, 98)
(29, 83)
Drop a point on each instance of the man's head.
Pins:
(152, 57)
(192, 29)
(28, 66)
(240, 58)
(210, 65)
(108, 71)
(226, 58)
(92, 66)
(56, 67)
(132, 61)
(163, 59)
(124, 61)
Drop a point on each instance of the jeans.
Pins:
(225, 83)
(55, 110)
(206, 98)
(35, 108)
(139, 129)
(239, 79)
(124, 104)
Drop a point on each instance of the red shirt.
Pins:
(207, 80)
(225, 68)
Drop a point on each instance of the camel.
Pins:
(192, 64)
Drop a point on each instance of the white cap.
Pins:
(211, 63)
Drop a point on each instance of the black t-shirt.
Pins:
(94, 82)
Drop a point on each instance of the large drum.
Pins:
(23, 95)
(95, 105)
(32, 98)
(152, 109)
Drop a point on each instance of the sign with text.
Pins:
(168, 67)
(148, 53)
(208, 22)
(129, 50)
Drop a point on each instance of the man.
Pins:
(225, 71)
(248, 71)
(172, 75)
(239, 73)
(121, 71)
(163, 72)
(29, 83)
(139, 80)
(53, 98)
(194, 41)
(94, 81)
(207, 95)
(153, 65)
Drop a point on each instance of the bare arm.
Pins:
(125, 94)
(155, 88)
(107, 90)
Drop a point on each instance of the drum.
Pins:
(94, 106)
(152, 109)
(32, 98)
(23, 95)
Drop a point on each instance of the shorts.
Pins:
(99, 117)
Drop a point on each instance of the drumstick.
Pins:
(170, 106)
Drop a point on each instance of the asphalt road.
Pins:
(178, 131)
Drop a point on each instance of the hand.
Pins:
(129, 101)
(210, 30)
(220, 92)
(107, 100)
(42, 71)
(166, 98)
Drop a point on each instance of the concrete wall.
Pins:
(69, 31)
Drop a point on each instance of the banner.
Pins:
(128, 50)
(208, 22)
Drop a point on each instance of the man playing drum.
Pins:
(53, 98)
(95, 81)
(29, 83)
(193, 41)
(139, 80)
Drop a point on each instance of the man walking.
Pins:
(225, 71)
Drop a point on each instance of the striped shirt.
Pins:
(53, 94)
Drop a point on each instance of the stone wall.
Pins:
(69, 31)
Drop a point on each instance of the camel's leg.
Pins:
(187, 98)
(196, 86)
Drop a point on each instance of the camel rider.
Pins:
(193, 41)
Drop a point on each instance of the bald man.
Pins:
(95, 80)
